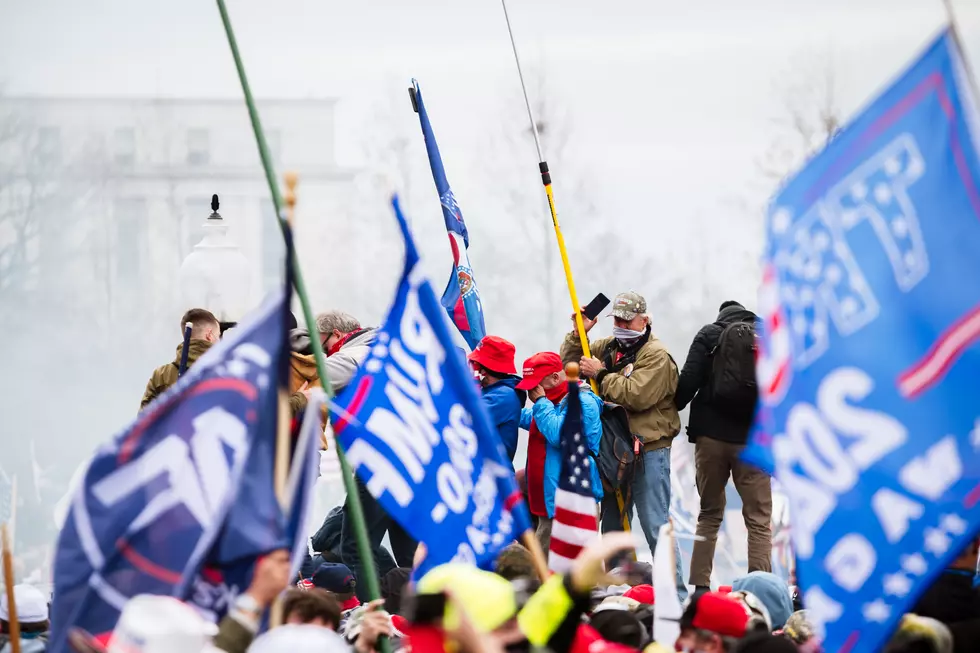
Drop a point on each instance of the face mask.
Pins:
(556, 393)
(627, 335)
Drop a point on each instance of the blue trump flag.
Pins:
(461, 298)
(418, 435)
(869, 359)
(256, 523)
(155, 504)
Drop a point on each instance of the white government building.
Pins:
(120, 188)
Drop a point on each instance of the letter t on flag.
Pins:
(461, 298)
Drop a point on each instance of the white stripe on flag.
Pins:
(572, 535)
(584, 505)
(559, 564)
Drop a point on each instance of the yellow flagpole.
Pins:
(546, 180)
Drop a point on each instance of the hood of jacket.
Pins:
(772, 591)
(509, 382)
(194, 351)
(735, 313)
(299, 341)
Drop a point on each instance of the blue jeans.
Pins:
(651, 496)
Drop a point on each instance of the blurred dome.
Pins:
(216, 275)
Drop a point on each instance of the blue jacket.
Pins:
(549, 419)
(504, 403)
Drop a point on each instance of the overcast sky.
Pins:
(672, 102)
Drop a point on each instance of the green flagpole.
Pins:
(353, 499)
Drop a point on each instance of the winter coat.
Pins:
(166, 375)
(504, 404)
(302, 376)
(341, 366)
(951, 598)
(549, 419)
(707, 420)
(643, 381)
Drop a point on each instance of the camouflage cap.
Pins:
(628, 305)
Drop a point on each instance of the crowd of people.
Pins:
(606, 601)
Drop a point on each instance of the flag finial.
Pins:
(572, 371)
(289, 197)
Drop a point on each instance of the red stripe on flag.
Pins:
(513, 500)
(565, 549)
(360, 396)
(147, 566)
(576, 519)
(941, 355)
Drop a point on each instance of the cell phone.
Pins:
(424, 609)
(594, 308)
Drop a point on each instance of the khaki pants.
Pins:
(543, 533)
(714, 462)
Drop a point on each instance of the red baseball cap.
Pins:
(641, 593)
(539, 366)
(717, 613)
(495, 354)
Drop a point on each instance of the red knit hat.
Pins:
(717, 613)
(495, 354)
(641, 593)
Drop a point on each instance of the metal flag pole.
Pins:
(353, 499)
(546, 180)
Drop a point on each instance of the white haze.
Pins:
(658, 115)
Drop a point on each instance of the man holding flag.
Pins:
(419, 437)
(184, 502)
(461, 298)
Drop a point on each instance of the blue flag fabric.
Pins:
(418, 435)
(869, 359)
(156, 502)
(461, 298)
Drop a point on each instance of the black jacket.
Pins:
(694, 384)
(951, 599)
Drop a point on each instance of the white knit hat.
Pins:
(160, 624)
(32, 607)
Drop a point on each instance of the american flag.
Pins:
(576, 522)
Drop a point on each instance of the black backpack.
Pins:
(733, 385)
(619, 449)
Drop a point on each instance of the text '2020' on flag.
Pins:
(869, 359)
(418, 435)
(461, 298)
(161, 509)
(576, 523)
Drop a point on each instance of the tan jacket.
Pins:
(645, 388)
(166, 375)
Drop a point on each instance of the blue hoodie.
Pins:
(772, 591)
(549, 419)
(504, 403)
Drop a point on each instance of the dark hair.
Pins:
(312, 604)
(730, 302)
(199, 317)
(514, 562)
(393, 586)
(621, 627)
(35, 627)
